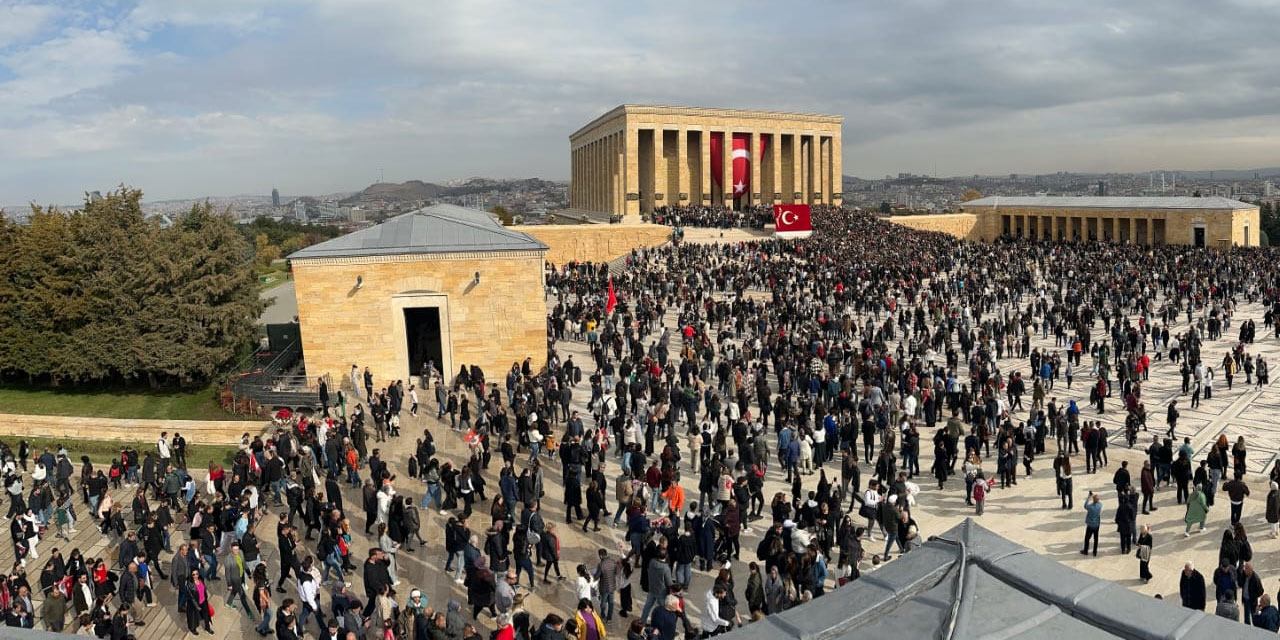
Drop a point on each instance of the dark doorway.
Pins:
(1199, 236)
(422, 335)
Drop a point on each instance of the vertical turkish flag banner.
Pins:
(741, 155)
(612, 301)
(792, 221)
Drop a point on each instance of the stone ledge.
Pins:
(127, 429)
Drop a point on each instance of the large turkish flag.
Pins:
(792, 221)
(740, 154)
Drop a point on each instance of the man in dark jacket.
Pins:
(129, 593)
(376, 574)
(1191, 588)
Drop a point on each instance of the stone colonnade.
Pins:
(637, 158)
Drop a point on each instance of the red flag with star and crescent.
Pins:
(740, 156)
(612, 300)
(792, 221)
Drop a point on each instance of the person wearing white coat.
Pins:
(712, 623)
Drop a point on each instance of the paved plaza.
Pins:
(1028, 513)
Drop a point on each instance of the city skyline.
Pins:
(182, 99)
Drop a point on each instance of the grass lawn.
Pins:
(102, 452)
(271, 276)
(200, 404)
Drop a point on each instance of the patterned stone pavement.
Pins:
(1028, 513)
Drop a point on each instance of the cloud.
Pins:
(21, 22)
(207, 97)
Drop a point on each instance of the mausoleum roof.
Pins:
(439, 228)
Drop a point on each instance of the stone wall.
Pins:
(128, 430)
(960, 225)
(595, 242)
(500, 320)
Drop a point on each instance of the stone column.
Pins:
(837, 169)
(797, 170)
(585, 192)
(775, 156)
(630, 173)
(753, 153)
(819, 169)
(682, 170)
(602, 177)
(618, 160)
(595, 175)
(574, 181)
(659, 169)
(606, 184)
(577, 178)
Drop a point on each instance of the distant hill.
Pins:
(393, 192)
(419, 190)
(1230, 174)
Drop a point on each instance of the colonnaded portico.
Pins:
(635, 158)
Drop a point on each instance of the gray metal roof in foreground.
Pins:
(1109, 202)
(987, 587)
(439, 228)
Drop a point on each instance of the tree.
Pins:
(207, 307)
(885, 207)
(104, 295)
(293, 244)
(504, 215)
(970, 194)
(1269, 219)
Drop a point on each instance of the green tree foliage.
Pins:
(104, 295)
(278, 233)
(1269, 213)
(504, 215)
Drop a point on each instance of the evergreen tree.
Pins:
(208, 306)
(104, 295)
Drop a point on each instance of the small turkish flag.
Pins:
(792, 221)
(613, 299)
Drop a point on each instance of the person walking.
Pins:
(1273, 509)
(1197, 511)
(198, 607)
(1092, 522)
(1148, 482)
(1144, 553)
(1124, 521)
(1237, 491)
(1191, 587)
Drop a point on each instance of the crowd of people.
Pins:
(816, 366)
(722, 217)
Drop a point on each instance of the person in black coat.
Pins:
(480, 590)
(376, 574)
(1191, 588)
(572, 497)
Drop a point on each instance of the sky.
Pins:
(188, 98)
